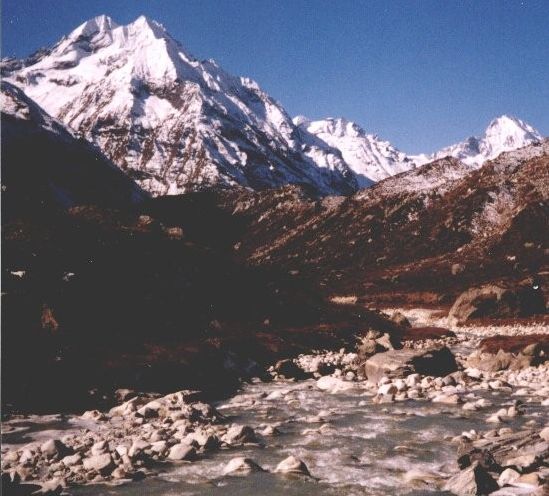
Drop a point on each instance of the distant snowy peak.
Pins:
(369, 157)
(373, 159)
(503, 134)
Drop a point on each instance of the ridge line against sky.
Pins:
(422, 75)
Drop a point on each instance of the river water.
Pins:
(350, 445)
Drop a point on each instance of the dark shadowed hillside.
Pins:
(102, 290)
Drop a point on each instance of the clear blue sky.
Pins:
(420, 73)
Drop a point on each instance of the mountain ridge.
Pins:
(177, 124)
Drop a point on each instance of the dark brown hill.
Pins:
(425, 234)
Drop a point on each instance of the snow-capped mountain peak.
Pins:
(174, 122)
(369, 157)
(504, 133)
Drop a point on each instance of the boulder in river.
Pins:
(489, 362)
(290, 370)
(240, 434)
(241, 466)
(401, 363)
(292, 465)
(334, 384)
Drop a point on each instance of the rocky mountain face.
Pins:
(173, 122)
(44, 164)
(432, 231)
(177, 124)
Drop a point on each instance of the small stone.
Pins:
(27, 457)
(387, 389)
(494, 419)
(94, 415)
(206, 441)
(449, 399)
(507, 477)
(119, 473)
(270, 431)
(53, 486)
(99, 447)
(413, 380)
(182, 451)
(138, 447)
(71, 460)
(400, 384)
(241, 466)
(150, 410)
(292, 465)
(121, 450)
(449, 380)
(11, 456)
(240, 434)
(159, 446)
(53, 447)
(100, 463)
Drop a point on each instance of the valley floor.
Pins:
(352, 439)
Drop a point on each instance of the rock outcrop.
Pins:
(496, 301)
(513, 459)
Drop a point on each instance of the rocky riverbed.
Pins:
(328, 423)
